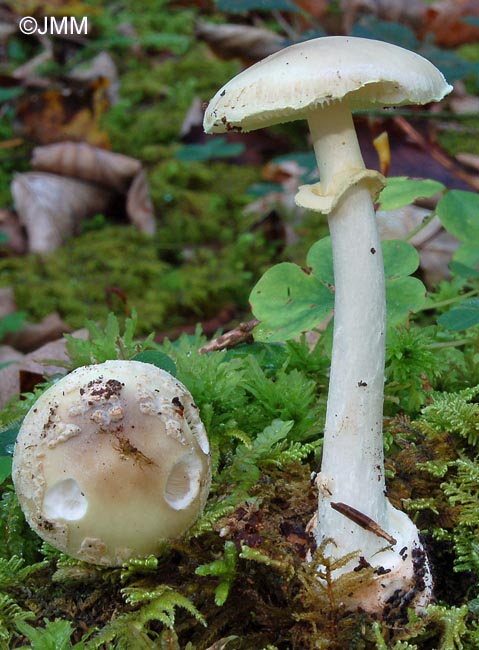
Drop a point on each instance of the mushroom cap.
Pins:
(111, 460)
(291, 83)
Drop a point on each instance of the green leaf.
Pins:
(403, 296)
(11, 322)
(7, 94)
(8, 437)
(458, 211)
(54, 636)
(288, 300)
(468, 254)
(241, 6)
(464, 271)
(5, 467)
(158, 359)
(225, 569)
(461, 317)
(217, 147)
(385, 30)
(320, 260)
(400, 258)
(401, 191)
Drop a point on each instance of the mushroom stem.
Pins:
(352, 466)
(353, 511)
(335, 142)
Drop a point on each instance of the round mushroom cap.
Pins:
(291, 83)
(112, 460)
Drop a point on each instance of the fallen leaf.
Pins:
(52, 207)
(12, 235)
(469, 160)
(32, 362)
(84, 162)
(408, 13)
(101, 66)
(445, 19)
(7, 301)
(54, 115)
(113, 171)
(316, 8)
(222, 643)
(28, 70)
(193, 120)
(435, 246)
(229, 41)
(139, 206)
(32, 335)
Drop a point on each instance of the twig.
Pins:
(362, 520)
(435, 152)
(234, 337)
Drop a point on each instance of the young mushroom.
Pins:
(322, 81)
(111, 460)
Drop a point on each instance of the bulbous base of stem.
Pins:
(398, 576)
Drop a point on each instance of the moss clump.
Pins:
(199, 203)
(75, 279)
(83, 279)
(263, 406)
(463, 138)
(154, 102)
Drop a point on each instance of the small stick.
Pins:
(436, 153)
(238, 335)
(363, 520)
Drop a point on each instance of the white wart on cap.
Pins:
(291, 83)
(111, 460)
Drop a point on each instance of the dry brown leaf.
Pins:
(316, 8)
(248, 43)
(409, 13)
(32, 362)
(32, 335)
(222, 643)
(84, 162)
(461, 101)
(7, 301)
(101, 66)
(193, 119)
(12, 229)
(435, 246)
(114, 171)
(28, 70)
(52, 207)
(71, 114)
(469, 160)
(6, 30)
(139, 206)
(445, 19)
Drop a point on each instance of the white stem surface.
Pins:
(352, 470)
(352, 466)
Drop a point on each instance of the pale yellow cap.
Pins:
(291, 83)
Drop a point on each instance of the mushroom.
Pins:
(111, 460)
(322, 81)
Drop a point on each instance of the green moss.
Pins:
(75, 279)
(200, 203)
(82, 280)
(154, 103)
(463, 138)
